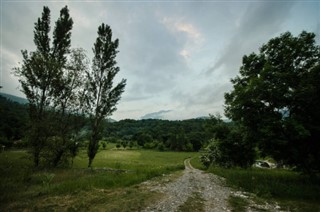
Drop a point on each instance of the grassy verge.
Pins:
(193, 203)
(80, 187)
(291, 190)
(238, 204)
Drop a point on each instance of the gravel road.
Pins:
(206, 190)
(208, 187)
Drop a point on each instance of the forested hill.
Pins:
(185, 135)
(13, 120)
(14, 98)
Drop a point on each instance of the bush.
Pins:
(104, 144)
(21, 143)
(234, 150)
(161, 147)
(151, 145)
(5, 142)
(118, 145)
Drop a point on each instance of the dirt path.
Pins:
(194, 190)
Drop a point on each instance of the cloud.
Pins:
(186, 34)
(261, 21)
(156, 115)
(176, 25)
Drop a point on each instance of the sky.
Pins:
(178, 56)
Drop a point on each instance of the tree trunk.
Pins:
(90, 162)
(36, 157)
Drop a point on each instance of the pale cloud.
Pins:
(189, 29)
(186, 33)
(185, 53)
(180, 25)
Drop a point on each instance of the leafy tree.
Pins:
(228, 146)
(104, 145)
(275, 99)
(124, 144)
(178, 140)
(101, 96)
(131, 144)
(143, 138)
(68, 120)
(118, 145)
(40, 75)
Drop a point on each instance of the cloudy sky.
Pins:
(177, 56)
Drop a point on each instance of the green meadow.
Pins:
(113, 183)
(291, 190)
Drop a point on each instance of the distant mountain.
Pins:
(110, 120)
(203, 117)
(156, 115)
(13, 98)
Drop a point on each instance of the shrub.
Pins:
(118, 145)
(234, 150)
(161, 147)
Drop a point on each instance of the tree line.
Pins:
(184, 135)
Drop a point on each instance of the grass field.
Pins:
(80, 188)
(293, 191)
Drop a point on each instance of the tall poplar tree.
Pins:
(40, 75)
(101, 96)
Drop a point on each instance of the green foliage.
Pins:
(118, 145)
(229, 147)
(101, 96)
(51, 78)
(124, 144)
(291, 190)
(275, 97)
(151, 133)
(195, 202)
(103, 144)
(238, 204)
(282, 185)
(161, 147)
(47, 179)
(13, 122)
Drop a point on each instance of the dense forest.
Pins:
(186, 135)
(13, 122)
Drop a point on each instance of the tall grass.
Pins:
(272, 183)
(291, 188)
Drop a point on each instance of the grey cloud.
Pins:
(261, 21)
(152, 56)
(208, 95)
